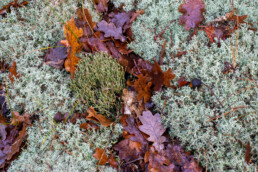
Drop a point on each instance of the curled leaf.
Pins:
(98, 118)
(100, 155)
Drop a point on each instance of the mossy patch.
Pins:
(99, 81)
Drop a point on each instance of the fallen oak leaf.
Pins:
(17, 118)
(72, 33)
(101, 5)
(112, 161)
(182, 82)
(110, 30)
(16, 146)
(193, 13)
(159, 162)
(12, 72)
(92, 115)
(56, 56)
(7, 8)
(160, 78)
(89, 125)
(152, 126)
(126, 152)
(100, 154)
(142, 86)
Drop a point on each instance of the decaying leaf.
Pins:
(182, 82)
(56, 56)
(110, 30)
(152, 126)
(89, 125)
(247, 153)
(17, 118)
(160, 78)
(72, 35)
(101, 5)
(176, 154)
(77, 116)
(132, 129)
(126, 152)
(131, 104)
(193, 13)
(98, 118)
(100, 154)
(112, 161)
(12, 72)
(159, 163)
(142, 86)
(15, 4)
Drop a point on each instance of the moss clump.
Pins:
(99, 81)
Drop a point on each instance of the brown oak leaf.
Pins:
(152, 126)
(98, 118)
(89, 125)
(72, 35)
(160, 78)
(110, 30)
(100, 154)
(12, 72)
(17, 118)
(132, 129)
(193, 13)
(176, 154)
(126, 152)
(101, 5)
(15, 4)
(159, 162)
(56, 56)
(142, 86)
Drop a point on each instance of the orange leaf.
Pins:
(89, 125)
(98, 118)
(13, 73)
(72, 33)
(100, 155)
(112, 161)
(142, 86)
(160, 78)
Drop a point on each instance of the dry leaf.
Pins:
(56, 56)
(193, 13)
(142, 86)
(159, 163)
(101, 5)
(110, 30)
(7, 8)
(89, 125)
(247, 153)
(17, 118)
(112, 161)
(160, 78)
(131, 104)
(152, 126)
(98, 118)
(100, 155)
(12, 72)
(126, 152)
(72, 34)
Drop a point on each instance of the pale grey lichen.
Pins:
(187, 111)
